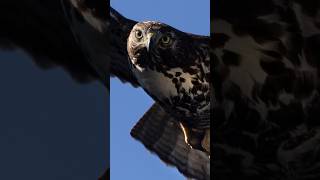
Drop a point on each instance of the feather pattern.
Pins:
(161, 134)
(266, 89)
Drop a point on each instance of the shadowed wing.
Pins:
(41, 30)
(79, 43)
(102, 33)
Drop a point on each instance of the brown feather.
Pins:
(162, 135)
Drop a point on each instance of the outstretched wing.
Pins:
(41, 30)
(162, 135)
(102, 33)
(75, 38)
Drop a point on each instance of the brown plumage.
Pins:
(75, 35)
(173, 68)
(266, 89)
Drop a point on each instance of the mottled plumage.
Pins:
(266, 89)
(88, 39)
(173, 68)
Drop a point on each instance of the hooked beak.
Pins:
(149, 37)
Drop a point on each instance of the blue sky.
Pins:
(51, 127)
(129, 158)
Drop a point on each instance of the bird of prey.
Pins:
(173, 68)
(76, 35)
(191, 162)
(266, 89)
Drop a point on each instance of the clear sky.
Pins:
(51, 128)
(129, 158)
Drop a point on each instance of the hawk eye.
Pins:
(166, 40)
(138, 34)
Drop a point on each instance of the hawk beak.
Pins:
(149, 39)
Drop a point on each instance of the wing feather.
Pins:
(40, 29)
(80, 44)
(162, 135)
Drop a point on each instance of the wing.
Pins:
(120, 31)
(160, 134)
(40, 29)
(102, 36)
(266, 89)
(47, 32)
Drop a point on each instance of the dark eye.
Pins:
(138, 34)
(166, 40)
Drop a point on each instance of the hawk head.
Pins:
(156, 46)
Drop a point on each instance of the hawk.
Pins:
(173, 68)
(76, 35)
(266, 89)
